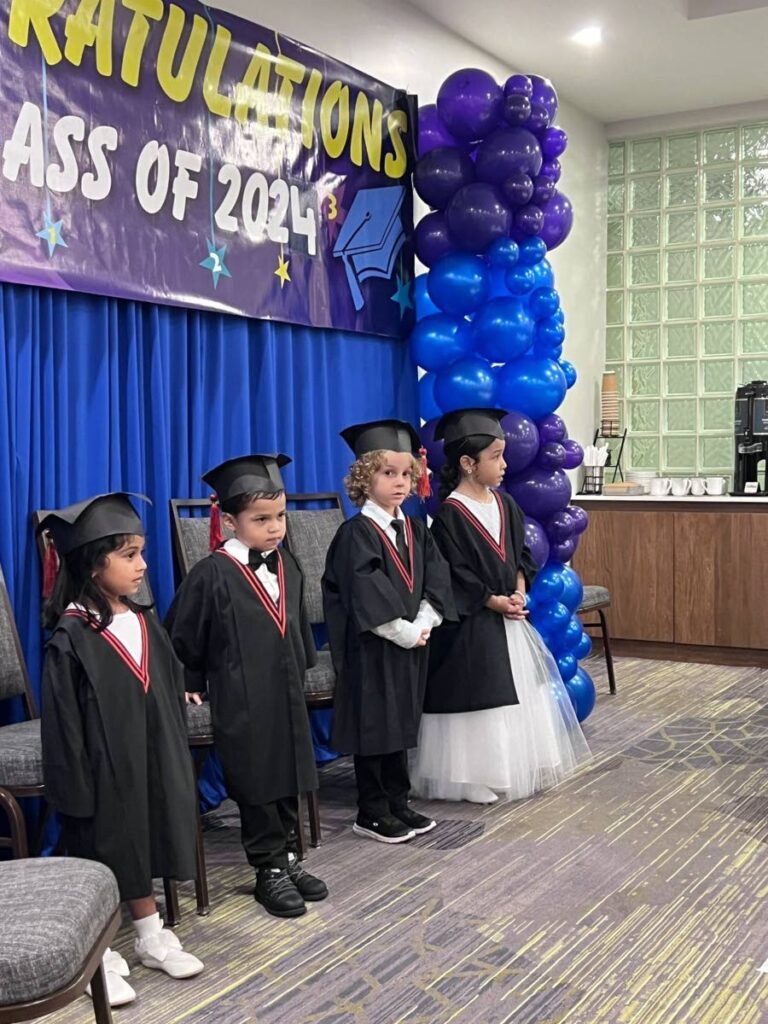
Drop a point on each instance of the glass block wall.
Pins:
(687, 290)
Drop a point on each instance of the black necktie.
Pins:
(255, 559)
(402, 548)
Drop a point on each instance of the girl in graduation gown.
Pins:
(385, 587)
(498, 720)
(116, 763)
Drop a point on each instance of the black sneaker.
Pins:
(310, 888)
(386, 829)
(418, 823)
(278, 895)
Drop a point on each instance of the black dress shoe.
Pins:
(385, 829)
(418, 823)
(278, 895)
(310, 888)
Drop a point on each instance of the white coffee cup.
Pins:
(660, 485)
(698, 486)
(715, 484)
(681, 486)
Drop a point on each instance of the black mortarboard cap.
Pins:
(455, 426)
(371, 237)
(247, 474)
(382, 435)
(101, 516)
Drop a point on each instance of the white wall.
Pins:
(401, 46)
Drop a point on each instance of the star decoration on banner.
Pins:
(51, 233)
(282, 271)
(214, 262)
(403, 295)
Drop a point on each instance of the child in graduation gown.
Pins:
(116, 763)
(238, 623)
(385, 588)
(498, 719)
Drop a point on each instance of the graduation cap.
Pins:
(391, 436)
(247, 474)
(371, 237)
(102, 516)
(455, 426)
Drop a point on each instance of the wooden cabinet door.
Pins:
(721, 571)
(632, 553)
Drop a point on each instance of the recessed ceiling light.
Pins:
(590, 36)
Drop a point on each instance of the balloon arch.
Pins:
(490, 328)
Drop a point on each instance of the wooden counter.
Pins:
(689, 574)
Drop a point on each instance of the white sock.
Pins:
(146, 926)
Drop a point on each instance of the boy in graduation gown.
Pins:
(238, 623)
(385, 587)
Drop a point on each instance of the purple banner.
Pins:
(174, 153)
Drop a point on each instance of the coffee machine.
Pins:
(751, 438)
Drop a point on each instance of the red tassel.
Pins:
(424, 487)
(215, 536)
(50, 567)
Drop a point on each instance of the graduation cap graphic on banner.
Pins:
(371, 237)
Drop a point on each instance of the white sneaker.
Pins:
(163, 952)
(119, 992)
(113, 961)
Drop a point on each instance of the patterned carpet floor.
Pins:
(634, 893)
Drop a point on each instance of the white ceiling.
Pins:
(657, 56)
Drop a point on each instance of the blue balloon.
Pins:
(439, 340)
(581, 690)
(467, 384)
(559, 315)
(584, 647)
(567, 666)
(544, 276)
(550, 619)
(498, 284)
(502, 330)
(569, 372)
(549, 333)
(424, 305)
(532, 251)
(544, 302)
(573, 589)
(519, 280)
(531, 384)
(548, 584)
(503, 252)
(567, 639)
(428, 407)
(459, 283)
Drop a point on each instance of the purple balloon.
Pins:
(432, 131)
(538, 118)
(553, 142)
(561, 526)
(468, 103)
(574, 454)
(529, 219)
(558, 220)
(467, 384)
(508, 151)
(579, 517)
(441, 173)
(540, 492)
(518, 85)
(552, 428)
(544, 95)
(564, 550)
(536, 541)
(431, 239)
(476, 216)
(516, 110)
(551, 455)
(522, 441)
(543, 189)
(518, 188)
(551, 170)
(432, 504)
(435, 453)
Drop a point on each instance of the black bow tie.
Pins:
(255, 559)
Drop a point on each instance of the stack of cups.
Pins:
(609, 405)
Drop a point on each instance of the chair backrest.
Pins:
(14, 681)
(143, 597)
(190, 525)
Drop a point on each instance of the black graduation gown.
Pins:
(379, 686)
(469, 665)
(116, 762)
(226, 629)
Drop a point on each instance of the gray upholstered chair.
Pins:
(59, 915)
(597, 599)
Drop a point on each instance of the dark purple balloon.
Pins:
(540, 492)
(441, 173)
(508, 151)
(522, 441)
(544, 94)
(564, 550)
(552, 428)
(432, 131)
(558, 220)
(529, 219)
(431, 239)
(551, 455)
(538, 119)
(574, 453)
(518, 85)
(552, 170)
(580, 518)
(543, 189)
(554, 142)
(536, 541)
(516, 109)
(476, 216)
(518, 188)
(432, 505)
(468, 103)
(435, 453)
(561, 526)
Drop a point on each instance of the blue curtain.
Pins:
(102, 394)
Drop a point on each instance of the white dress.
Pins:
(512, 751)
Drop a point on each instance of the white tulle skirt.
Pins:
(509, 752)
